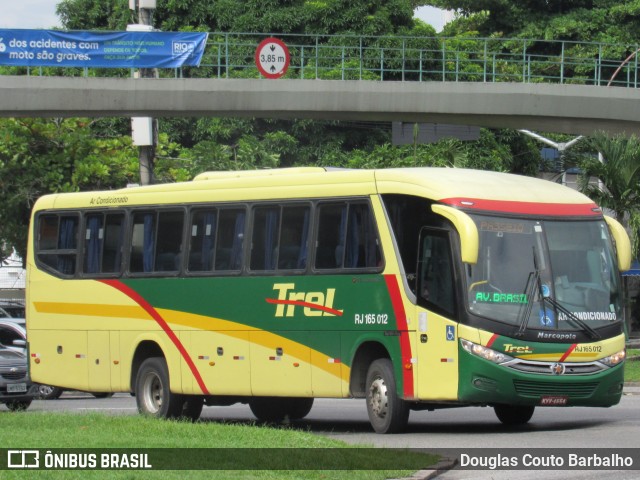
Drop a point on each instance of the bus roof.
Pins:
(474, 189)
(488, 191)
(269, 172)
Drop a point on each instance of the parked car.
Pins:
(13, 309)
(16, 389)
(13, 336)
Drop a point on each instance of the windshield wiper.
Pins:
(534, 281)
(529, 289)
(572, 317)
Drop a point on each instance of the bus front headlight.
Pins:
(615, 359)
(484, 352)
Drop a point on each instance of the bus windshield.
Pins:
(556, 275)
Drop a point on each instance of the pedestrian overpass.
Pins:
(538, 85)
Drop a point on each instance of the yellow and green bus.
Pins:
(418, 288)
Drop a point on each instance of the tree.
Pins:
(293, 142)
(94, 14)
(619, 174)
(614, 21)
(376, 17)
(40, 156)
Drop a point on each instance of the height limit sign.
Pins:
(272, 58)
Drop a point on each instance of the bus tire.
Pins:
(47, 392)
(277, 409)
(102, 394)
(387, 412)
(299, 408)
(514, 414)
(268, 409)
(153, 396)
(192, 407)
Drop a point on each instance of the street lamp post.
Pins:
(560, 146)
(144, 130)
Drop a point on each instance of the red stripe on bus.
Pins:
(300, 303)
(492, 339)
(527, 208)
(136, 297)
(568, 352)
(401, 324)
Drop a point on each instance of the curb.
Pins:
(447, 464)
(439, 468)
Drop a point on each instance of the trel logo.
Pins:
(314, 304)
(509, 348)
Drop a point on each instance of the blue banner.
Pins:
(52, 48)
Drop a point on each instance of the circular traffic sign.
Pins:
(272, 58)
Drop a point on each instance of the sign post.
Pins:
(272, 58)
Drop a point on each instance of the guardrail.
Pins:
(345, 57)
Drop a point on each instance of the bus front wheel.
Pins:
(388, 413)
(153, 396)
(514, 414)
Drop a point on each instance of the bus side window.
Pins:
(230, 241)
(169, 241)
(362, 244)
(329, 250)
(113, 243)
(57, 244)
(203, 236)
(293, 246)
(103, 243)
(266, 226)
(142, 242)
(280, 238)
(347, 237)
(156, 242)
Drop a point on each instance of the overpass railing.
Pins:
(445, 59)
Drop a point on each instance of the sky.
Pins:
(41, 14)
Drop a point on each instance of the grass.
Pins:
(46, 430)
(632, 367)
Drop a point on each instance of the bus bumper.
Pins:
(486, 383)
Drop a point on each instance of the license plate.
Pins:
(554, 401)
(17, 388)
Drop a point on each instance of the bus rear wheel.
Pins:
(192, 407)
(387, 412)
(514, 414)
(276, 409)
(47, 392)
(153, 396)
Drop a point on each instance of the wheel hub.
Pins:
(378, 399)
(153, 393)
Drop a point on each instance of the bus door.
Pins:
(436, 333)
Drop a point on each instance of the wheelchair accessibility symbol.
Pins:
(451, 333)
(547, 318)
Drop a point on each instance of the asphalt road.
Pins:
(459, 428)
